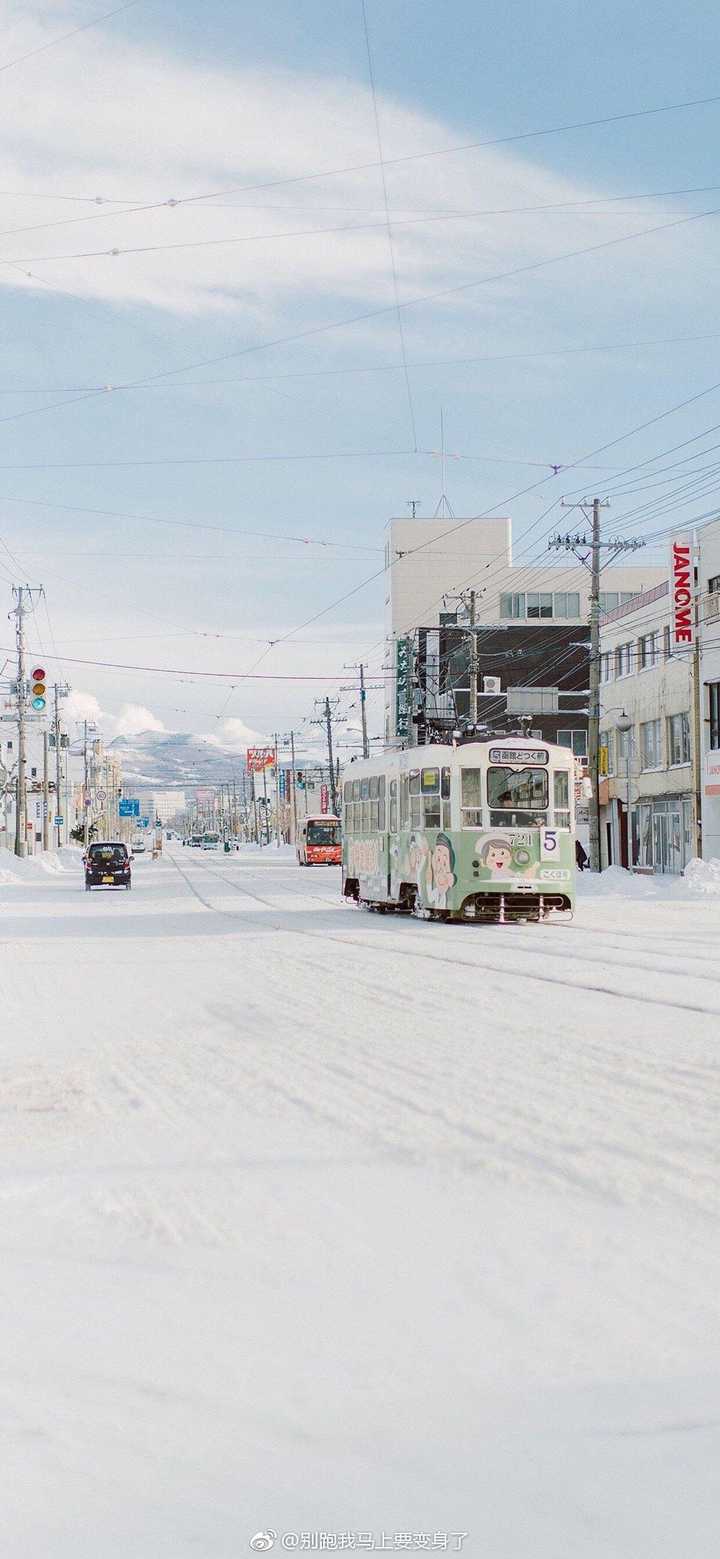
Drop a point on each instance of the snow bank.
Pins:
(14, 870)
(702, 878)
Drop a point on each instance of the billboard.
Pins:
(681, 592)
(259, 758)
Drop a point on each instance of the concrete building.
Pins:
(650, 767)
(429, 560)
(708, 583)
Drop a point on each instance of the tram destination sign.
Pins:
(519, 755)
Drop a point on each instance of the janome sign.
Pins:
(681, 589)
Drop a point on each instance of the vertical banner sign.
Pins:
(324, 798)
(403, 693)
(681, 590)
(281, 783)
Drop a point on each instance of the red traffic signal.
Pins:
(38, 675)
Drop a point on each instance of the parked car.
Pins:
(107, 865)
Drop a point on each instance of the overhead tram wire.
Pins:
(223, 530)
(370, 368)
(391, 242)
(639, 428)
(214, 243)
(313, 331)
(65, 37)
(432, 153)
(469, 146)
(420, 219)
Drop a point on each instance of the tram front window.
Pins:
(518, 797)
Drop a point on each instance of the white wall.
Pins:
(709, 567)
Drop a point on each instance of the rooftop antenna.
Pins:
(413, 503)
(444, 506)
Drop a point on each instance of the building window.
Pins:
(678, 732)
(712, 605)
(606, 660)
(623, 660)
(714, 691)
(609, 599)
(648, 650)
(567, 603)
(575, 740)
(650, 743)
(539, 604)
(667, 644)
(512, 605)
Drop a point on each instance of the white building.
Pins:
(427, 560)
(708, 579)
(650, 765)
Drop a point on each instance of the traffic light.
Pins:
(300, 779)
(38, 689)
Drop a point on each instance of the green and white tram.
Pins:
(481, 831)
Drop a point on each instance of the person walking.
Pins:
(581, 856)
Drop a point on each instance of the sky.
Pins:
(210, 400)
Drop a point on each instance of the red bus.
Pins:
(319, 842)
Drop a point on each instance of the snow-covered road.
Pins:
(317, 1221)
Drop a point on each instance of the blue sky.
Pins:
(171, 102)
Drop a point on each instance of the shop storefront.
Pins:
(662, 833)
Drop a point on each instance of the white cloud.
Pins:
(134, 718)
(82, 706)
(124, 122)
(236, 735)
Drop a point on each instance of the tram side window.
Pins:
(430, 786)
(393, 807)
(365, 816)
(356, 790)
(445, 794)
(518, 797)
(561, 798)
(381, 815)
(404, 802)
(357, 817)
(471, 798)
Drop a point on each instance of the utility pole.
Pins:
(46, 795)
(58, 762)
(277, 794)
(86, 793)
(327, 715)
(588, 550)
(294, 790)
(21, 782)
(364, 690)
(468, 598)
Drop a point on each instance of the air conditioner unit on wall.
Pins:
(491, 684)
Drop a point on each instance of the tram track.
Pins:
(392, 949)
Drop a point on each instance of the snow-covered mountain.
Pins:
(175, 759)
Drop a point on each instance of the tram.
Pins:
(480, 831)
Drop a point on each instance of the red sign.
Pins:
(259, 758)
(681, 586)
(324, 798)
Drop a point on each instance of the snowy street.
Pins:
(320, 1220)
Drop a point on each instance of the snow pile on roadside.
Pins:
(702, 877)
(616, 882)
(14, 870)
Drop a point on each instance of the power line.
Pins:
(64, 37)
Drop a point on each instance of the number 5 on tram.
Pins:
(483, 831)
